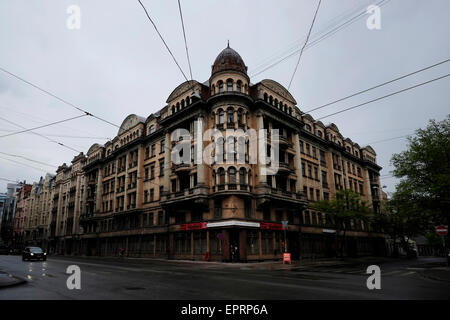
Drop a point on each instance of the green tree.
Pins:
(424, 169)
(402, 219)
(345, 208)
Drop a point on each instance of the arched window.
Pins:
(182, 103)
(221, 116)
(319, 133)
(173, 109)
(230, 149)
(245, 88)
(188, 101)
(290, 111)
(178, 106)
(221, 173)
(229, 85)
(242, 176)
(276, 102)
(213, 90)
(238, 85)
(220, 84)
(232, 175)
(271, 100)
(266, 98)
(230, 116)
(239, 116)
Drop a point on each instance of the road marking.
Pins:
(407, 274)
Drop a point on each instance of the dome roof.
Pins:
(228, 59)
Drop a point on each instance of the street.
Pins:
(156, 279)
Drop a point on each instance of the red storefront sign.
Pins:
(193, 226)
(271, 226)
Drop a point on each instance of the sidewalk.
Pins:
(7, 280)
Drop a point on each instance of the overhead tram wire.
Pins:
(377, 86)
(87, 113)
(41, 135)
(28, 159)
(320, 38)
(43, 126)
(24, 164)
(162, 39)
(65, 136)
(304, 45)
(5, 179)
(185, 41)
(383, 97)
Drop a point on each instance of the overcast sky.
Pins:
(115, 65)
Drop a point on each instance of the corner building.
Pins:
(138, 199)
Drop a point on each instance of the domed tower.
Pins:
(229, 73)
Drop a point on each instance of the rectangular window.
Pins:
(147, 152)
(304, 169)
(163, 146)
(218, 209)
(311, 193)
(153, 150)
(266, 214)
(308, 151)
(152, 172)
(145, 196)
(301, 147)
(326, 196)
(161, 168)
(316, 173)
(152, 195)
(317, 195)
(160, 218)
(309, 171)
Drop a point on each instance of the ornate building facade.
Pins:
(131, 194)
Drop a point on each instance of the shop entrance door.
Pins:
(234, 245)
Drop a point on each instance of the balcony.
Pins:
(284, 168)
(182, 167)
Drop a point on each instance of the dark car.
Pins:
(30, 253)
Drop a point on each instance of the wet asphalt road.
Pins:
(134, 279)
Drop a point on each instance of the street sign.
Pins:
(442, 230)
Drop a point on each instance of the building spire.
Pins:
(228, 44)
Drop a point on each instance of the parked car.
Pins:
(30, 253)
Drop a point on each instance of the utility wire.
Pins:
(185, 41)
(378, 86)
(390, 139)
(320, 39)
(25, 158)
(65, 136)
(167, 47)
(43, 126)
(56, 97)
(383, 97)
(9, 180)
(40, 135)
(24, 164)
(304, 45)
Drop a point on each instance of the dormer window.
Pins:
(307, 127)
(151, 129)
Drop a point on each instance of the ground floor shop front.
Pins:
(230, 241)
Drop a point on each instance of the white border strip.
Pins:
(233, 223)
